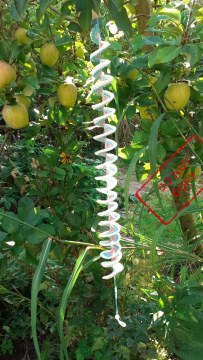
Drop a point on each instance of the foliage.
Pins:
(179, 320)
(48, 191)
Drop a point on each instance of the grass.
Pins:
(145, 222)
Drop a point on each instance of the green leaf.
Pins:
(195, 96)
(187, 333)
(82, 5)
(73, 26)
(153, 153)
(34, 217)
(118, 4)
(146, 124)
(25, 205)
(31, 81)
(121, 18)
(31, 254)
(4, 51)
(52, 192)
(161, 153)
(44, 4)
(169, 10)
(47, 228)
(126, 152)
(98, 355)
(42, 19)
(3, 266)
(11, 226)
(33, 236)
(153, 143)
(162, 81)
(3, 290)
(37, 278)
(130, 112)
(115, 46)
(167, 54)
(168, 128)
(75, 220)
(59, 173)
(192, 53)
(6, 171)
(20, 6)
(13, 12)
(85, 17)
(153, 55)
(65, 9)
(153, 40)
(140, 137)
(158, 319)
(61, 40)
(63, 304)
(137, 42)
(14, 49)
(128, 179)
(140, 63)
(43, 173)
(192, 299)
(79, 356)
(3, 235)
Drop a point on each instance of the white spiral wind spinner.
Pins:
(114, 255)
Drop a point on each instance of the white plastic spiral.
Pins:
(114, 255)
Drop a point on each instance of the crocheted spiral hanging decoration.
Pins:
(112, 235)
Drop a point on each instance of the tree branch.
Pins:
(5, 139)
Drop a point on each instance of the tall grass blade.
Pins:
(153, 153)
(62, 307)
(37, 278)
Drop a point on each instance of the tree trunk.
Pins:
(143, 10)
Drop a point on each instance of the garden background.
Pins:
(54, 303)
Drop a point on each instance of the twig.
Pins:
(55, 10)
(5, 139)
(186, 35)
(2, 28)
(135, 16)
(90, 235)
(52, 36)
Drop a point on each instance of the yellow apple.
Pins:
(67, 94)
(21, 36)
(79, 53)
(177, 95)
(152, 80)
(144, 114)
(49, 54)
(15, 116)
(131, 9)
(33, 72)
(22, 99)
(28, 90)
(132, 75)
(7, 74)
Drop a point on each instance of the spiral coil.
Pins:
(114, 255)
